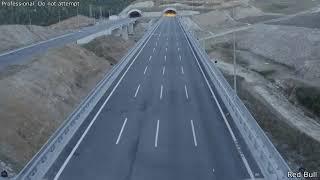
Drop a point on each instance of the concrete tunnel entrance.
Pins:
(170, 12)
(134, 13)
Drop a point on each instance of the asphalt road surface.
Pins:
(22, 55)
(161, 122)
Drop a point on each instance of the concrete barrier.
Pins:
(266, 155)
(118, 29)
(91, 37)
(48, 154)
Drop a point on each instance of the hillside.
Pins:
(49, 15)
(43, 84)
(17, 35)
(277, 69)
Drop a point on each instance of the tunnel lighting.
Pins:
(170, 13)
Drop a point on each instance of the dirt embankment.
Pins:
(73, 23)
(37, 97)
(264, 85)
(16, 36)
(278, 75)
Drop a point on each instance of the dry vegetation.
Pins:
(278, 76)
(37, 97)
(15, 36)
(73, 23)
(278, 70)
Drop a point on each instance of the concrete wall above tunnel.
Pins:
(170, 12)
(134, 13)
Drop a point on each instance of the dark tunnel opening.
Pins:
(134, 14)
(170, 12)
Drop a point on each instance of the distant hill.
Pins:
(49, 15)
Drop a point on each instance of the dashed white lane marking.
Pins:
(145, 70)
(119, 136)
(161, 91)
(180, 57)
(178, 49)
(135, 95)
(186, 90)
(194, 134)
(157, 134)
(182, 71)
(156, 43)
(99, 111)
(154, 49)
(165, 58)
(166, 49)
(163, 70)
(212, 169)
(150, 58)
(235, 140)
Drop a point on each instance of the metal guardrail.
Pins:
(266, 155)
(43, 160)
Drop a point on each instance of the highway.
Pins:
(22, 55)
(161, 121)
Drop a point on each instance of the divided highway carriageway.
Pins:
(161, 120)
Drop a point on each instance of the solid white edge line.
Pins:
(119, 136)
(157, 134)
(97, 114)
(163, 70)
(186, 90)
(161, 89)
(135, 95)
(194, 134)
(145, 70)
(224, 117)
(35, 44)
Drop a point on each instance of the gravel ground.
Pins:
(271, 59)
(284, 6)
(14, 36)
(257, 19)
(292, 46)
(309, 21)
